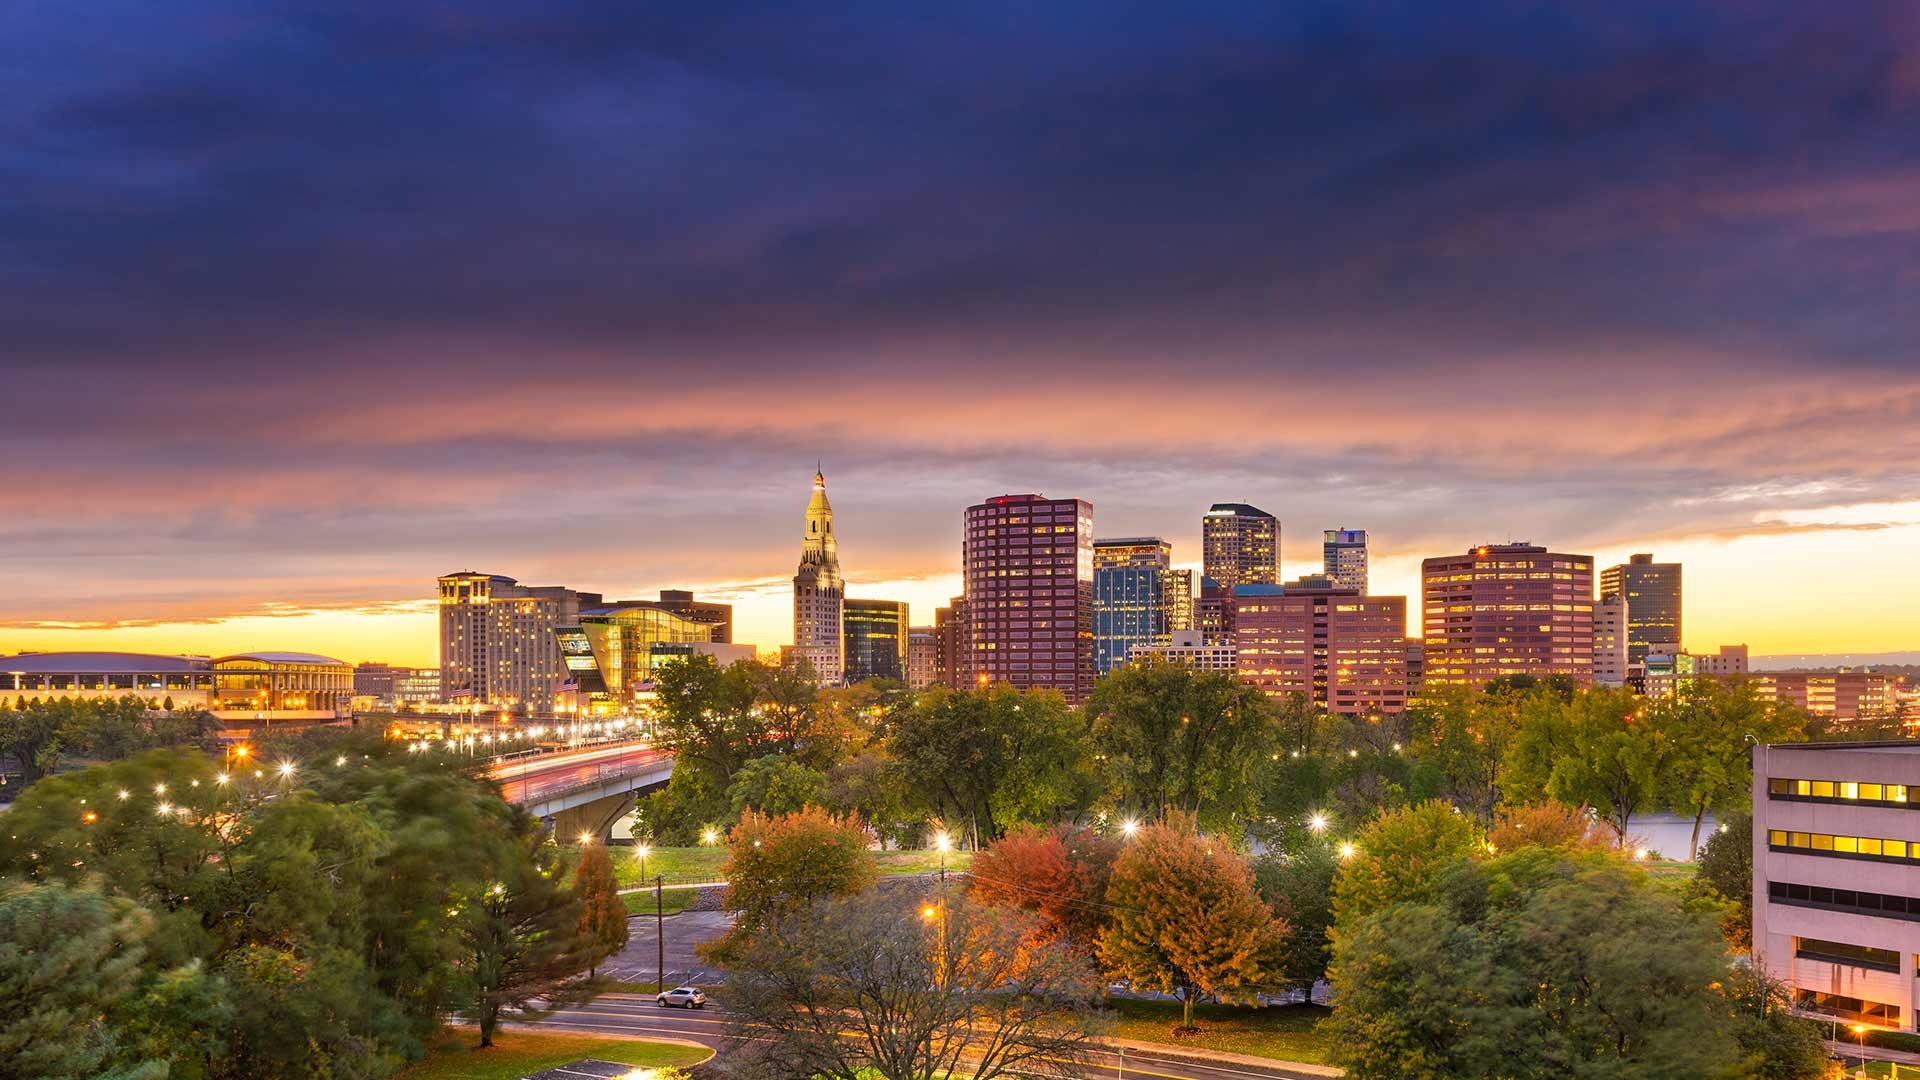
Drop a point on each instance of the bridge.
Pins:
(584, 790)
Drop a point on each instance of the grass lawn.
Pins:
(1673, 873)
(1278, 1031)
(690, 864)
(671, 900)
(516, 1053)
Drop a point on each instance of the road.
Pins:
(631, 1014)
(533, 777)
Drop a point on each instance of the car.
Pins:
(686, 997)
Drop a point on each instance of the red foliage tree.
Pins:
(1059, 873)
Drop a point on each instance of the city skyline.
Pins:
(505, 297)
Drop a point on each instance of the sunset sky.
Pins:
(303, 304)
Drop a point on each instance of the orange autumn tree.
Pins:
(1058, 873)
(1186, 918)
(779, 866)
(603, 917)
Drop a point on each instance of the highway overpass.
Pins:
(585, 790)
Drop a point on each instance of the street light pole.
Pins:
(660, 935)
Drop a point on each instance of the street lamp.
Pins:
(941, 842)
(1860, 1033)
(1129, 827)
(1317, 822)
(641, 850)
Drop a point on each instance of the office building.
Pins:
(951, 645)
(1507, 609)
(1180, 600)
(1610, 641)
(1240, 545)
(1130, 604)
(497, 644)
(818, 592)
(1653, 604)
(1028, 564)
(717, 616)
(1189, 647)
(1213, 612)
(874, 636)
(1836, 877)
(923, 657)
(614, 652)
(1340, 650)
(1729, 661)
(1416, 653)
(1841, 696)
(1344, 558)
(385, 684)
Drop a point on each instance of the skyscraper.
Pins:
(1507, 609)
(875, 632)
(1129, 597)
(1610, 641)
(1180, 600)
(818, 591)
(950, 643)
(497, 644)
(1653, 604)
(923, 657)
(1028, 565)
(1344, 552)
(1240, 545)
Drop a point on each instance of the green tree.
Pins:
(30, 735)
(1186, 918)
(603, 917)
(1540, 964)
(1464, 736)
(707, 716)
(1298, 883)
(522, 937)
(1400, 857)
(1724, 874)
(869, 786)
(69, 957)
(777, 867)
(1175, 739)
(1777, 1043)
(1711, 725)
(1598, 750)
(991, 758)
(776, 784)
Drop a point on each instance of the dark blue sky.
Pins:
(581, 290)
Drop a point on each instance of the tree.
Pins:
(1176, 739)
(1598, 750)
(1464, 736)
(869, 786)
(1060, 874)
(1777, 1043)
(603, 917)
(522, 937)
(776, 784)
(992, 758)
(1546, 824)
(778, 867)
(70, 959)
(707, 716)
(1540, 964)
(1298, 883)
(1724, 874)
(1400, 858)
(1711, 724)
(1186, 918)
(31, 737)
(872, 985)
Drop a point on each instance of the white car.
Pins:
(686, 997)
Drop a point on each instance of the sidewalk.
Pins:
(1225, 1058)
(1906, 1061)
(670, 888)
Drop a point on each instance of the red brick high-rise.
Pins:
(1028, 565)
(1507, 609)
(1344, 651)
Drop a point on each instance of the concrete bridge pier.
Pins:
(593, 819)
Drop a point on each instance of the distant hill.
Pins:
(1836, 660)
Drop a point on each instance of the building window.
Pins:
(1848, 1008)
(1839, 952)
(1854, 847)
(1838, 791)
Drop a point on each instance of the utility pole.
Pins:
(660, 934)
